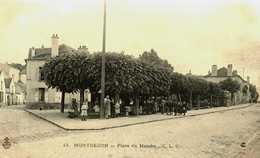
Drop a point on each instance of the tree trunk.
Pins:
(232, 99)
(81, 98)
(62, 102)
(199, 101)
(211, 101)
(136, 105)
(191, 100)
(179, 96)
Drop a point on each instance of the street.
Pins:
(217, 135)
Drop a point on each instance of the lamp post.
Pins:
(102, 96)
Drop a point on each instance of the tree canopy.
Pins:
(152, 59)
(128, 77)
(230, 85)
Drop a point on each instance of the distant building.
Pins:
(10, 72)
(2, 89)
(37, 90)
(217, 75)
(10, 91)
(20, 93)
(22, 76)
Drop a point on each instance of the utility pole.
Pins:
(102, 96)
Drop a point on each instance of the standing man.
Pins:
(184, 108)
(107, 103)
(163, 106)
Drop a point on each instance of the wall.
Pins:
(2, 88)
(23, 78)
(33, 84)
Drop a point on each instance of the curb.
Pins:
(133, 124)
(40, 117)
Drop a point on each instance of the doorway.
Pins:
(41, 94)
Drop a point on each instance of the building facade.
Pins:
(22, 76)
(37, 90)
(10, 91)
(217, 75)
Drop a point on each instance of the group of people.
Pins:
(113, 108)
(107, 111)
(176, 107)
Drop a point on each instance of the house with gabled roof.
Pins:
(217, 75)
(36, 89)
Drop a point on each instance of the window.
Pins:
(41, 78)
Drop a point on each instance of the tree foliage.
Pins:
(152, 59)
(68, 74)
(128, 77)
(253, 92)
(230, 85)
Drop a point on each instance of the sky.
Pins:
(190, 34)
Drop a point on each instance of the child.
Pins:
(84, 111)
(96, 108)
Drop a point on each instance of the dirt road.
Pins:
(217, 135)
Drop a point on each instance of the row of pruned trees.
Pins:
(127, 78)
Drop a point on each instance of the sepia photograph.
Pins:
(129, 78)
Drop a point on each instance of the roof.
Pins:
(225, 76)
(8, 82)
(45, 53)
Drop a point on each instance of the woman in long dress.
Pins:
(107, 103)
(117, 108)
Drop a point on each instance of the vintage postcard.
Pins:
(129, 79)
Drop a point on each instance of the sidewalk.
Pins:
(61, 120)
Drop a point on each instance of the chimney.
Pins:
(83, 49)
(54, 45)
(214, 70)
(32, 51)
(235, 72)
(229, 69)
(248, 79)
